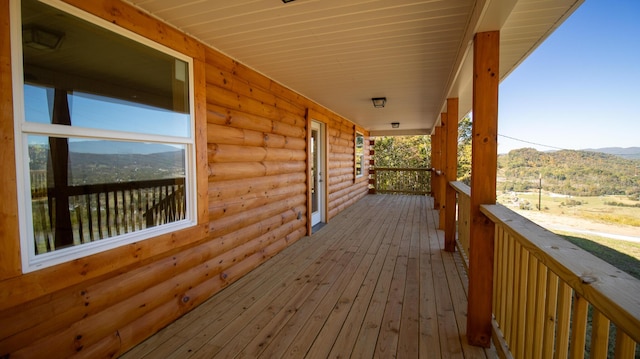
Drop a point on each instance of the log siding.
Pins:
(251, 149)
(344, 187)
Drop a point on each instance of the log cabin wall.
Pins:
(251, 136)
(345, 188)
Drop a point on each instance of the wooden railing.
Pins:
(401, 180)
(463, 218)
(105, 210)
(554, 300)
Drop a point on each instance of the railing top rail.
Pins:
(613, 292)
(77, 190)
(461, 188)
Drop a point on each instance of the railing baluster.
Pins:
(625, 346)
(550, 319)
(108, 210)
(599, 335)
(521, 324)
(578, 327)
(78, 211)
(132, 210)
(116, 213)
(538, 321)
(498, 304)
(125, 214)
(564, 319)
(87, 198)
(508, 295)
(99, 215)
(139, 222)
(532, 282)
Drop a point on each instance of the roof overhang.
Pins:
(340, 54)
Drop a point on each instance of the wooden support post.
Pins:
(442, 181)
(435, 166)
(10, 264)
(59, 169)
(451, 174)
(484, 154)
(372, 167)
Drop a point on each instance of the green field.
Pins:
(624, 255)
(615, 210)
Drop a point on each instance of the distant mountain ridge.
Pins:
(579, 173)
(628, 152)
(120, 148)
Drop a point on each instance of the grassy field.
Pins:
(598, 209)
(623, 255)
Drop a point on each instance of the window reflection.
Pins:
(92, 189)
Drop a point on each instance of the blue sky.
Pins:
(581, 88)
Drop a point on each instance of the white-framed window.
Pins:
(104, 134)
(359, 154)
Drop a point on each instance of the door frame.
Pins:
(313, 116)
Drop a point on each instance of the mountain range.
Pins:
(578, 173)
(119, 148)
(628, 153)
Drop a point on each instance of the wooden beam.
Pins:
(442, 181)
(451, 174)
(435, 166)
(10, 243)
(484, 154)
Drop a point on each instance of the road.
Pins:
(582, 226)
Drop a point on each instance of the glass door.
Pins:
(317, 173)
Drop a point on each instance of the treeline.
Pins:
(577, 173)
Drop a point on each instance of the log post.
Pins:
(451, 174)
(484, 153)
(59, 168)
(435, 166)
(442, 180)
(10, 264)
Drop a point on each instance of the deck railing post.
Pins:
(442, 179)
(484, 153)
(450, 151)
(435, 165)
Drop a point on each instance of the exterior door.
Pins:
(317, 173)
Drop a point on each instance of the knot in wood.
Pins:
(587, 279)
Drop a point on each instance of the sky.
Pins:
(580, 88)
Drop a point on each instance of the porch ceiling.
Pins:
(342, 53)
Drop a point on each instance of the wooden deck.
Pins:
(375, 282)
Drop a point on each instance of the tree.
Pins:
(464, 150)
(403, 151)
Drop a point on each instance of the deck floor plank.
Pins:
(329, 319)
(374, 282)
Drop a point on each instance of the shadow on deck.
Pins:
(374, 282)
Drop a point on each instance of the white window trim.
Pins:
(31, 262)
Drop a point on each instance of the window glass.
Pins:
(359, 157)
(107, 135)
(87, 190)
